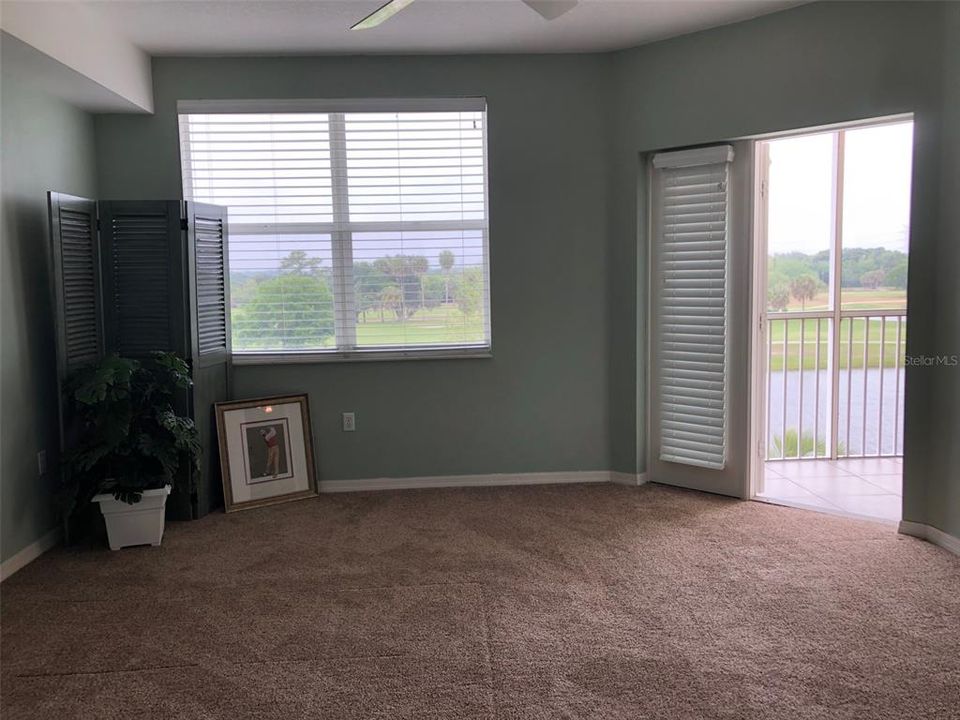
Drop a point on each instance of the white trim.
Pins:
(30, 553)
(838, 189)
(692, 158)
(341, 240)
(832, 127)
(757, 437)
(453, 481)
(930, 534)
(630, 479)
(339, 105)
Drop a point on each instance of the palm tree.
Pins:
(447, 259)
(804, 288)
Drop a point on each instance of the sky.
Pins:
(877, 170)
(264, 253)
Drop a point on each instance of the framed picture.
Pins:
(266, 451)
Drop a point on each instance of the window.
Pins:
(357, 228)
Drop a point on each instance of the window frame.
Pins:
(342, 229)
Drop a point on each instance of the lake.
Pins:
(883, 419)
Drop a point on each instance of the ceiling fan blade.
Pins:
(382, 13)
(551, 9)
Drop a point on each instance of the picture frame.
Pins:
(266, 451)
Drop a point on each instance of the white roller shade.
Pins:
(692, 323)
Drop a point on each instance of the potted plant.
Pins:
(129, 443)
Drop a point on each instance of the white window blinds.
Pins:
(692, 322)
(355, 226)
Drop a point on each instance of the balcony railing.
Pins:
(835, 396)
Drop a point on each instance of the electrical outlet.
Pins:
(349, 422)
(42, 462)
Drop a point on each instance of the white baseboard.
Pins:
(30, 553)
(931, 534)
(631, 479)
(451, 481)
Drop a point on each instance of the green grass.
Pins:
(440, 325)
(855, 299)
(889, 352)
(889, 355)
(880, 299)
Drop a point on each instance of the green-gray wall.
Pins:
(47, 144)
(942, 502)
(541, 403)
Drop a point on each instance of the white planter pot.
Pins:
(137, 524)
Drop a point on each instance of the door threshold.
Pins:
(798, 505)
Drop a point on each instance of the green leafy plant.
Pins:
(128, 437)
(789, 449)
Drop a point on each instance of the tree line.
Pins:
(802, 277)
(296, 303)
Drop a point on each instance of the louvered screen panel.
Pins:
(141, 266)
(81, 324)
(692, 317)
(211, 285)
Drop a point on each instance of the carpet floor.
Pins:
(578, 601)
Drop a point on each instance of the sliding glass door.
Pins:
(832, 226)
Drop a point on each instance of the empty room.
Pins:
(479, 359)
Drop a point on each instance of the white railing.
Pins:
(833, 395)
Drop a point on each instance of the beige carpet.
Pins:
(541, 602)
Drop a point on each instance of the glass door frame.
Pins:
(759, 369)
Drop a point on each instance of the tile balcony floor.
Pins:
(869, 487)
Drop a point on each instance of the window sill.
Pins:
(310, 358)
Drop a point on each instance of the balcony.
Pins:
(834, 413)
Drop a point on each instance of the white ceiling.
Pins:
(235, 27)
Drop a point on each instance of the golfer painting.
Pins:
(269, 436)
(266, 451)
